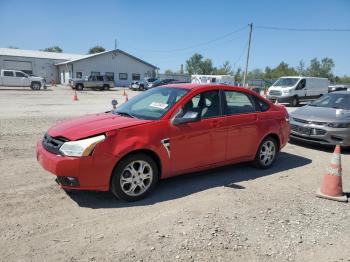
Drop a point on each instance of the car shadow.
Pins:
(182, 186)
(323, 148)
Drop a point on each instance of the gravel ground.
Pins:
(234, 213)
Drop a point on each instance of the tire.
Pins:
(127, 185)
(294, 101)
(105, 87)
(35, 85)
(266, 154)
(79, 87)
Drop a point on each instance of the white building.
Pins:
(119, 65)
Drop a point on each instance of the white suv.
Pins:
(19, 78)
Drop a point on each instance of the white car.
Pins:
(21, 79)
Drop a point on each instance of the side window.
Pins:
(210, 104)
(191, 106)
(260, 105)
(206, 104)
(8, 73)
(238, 103)
(79, 75)
(301, 84)
(20, 74)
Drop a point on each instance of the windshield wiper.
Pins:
(125, 114)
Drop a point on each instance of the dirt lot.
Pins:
(235, 213)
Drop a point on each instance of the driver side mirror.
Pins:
(186, 118)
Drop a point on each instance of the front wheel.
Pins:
(266, 155)
(79, 87)
(294, 102)
(134, 177)
(35, 86)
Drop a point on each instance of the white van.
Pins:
(293, 89)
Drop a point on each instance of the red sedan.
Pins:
(164, 132)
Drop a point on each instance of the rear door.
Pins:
(242, 124)
(203, 142)
(8, 78)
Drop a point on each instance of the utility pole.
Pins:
(115, 44)
(246, 65)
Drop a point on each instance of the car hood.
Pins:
(322, 114)
(91, 125)
(38, 78)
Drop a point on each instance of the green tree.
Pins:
(193, 64)
(12, 47)
(301, 68)
(96, 49)
(225, 69)
(168, 72)
(206, 67)
(256, 74)
(239, 75)
(321, 69)
(53, 49)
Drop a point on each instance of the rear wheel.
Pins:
(266, 155)
(134, 177)
(105, 87)
(79, 87)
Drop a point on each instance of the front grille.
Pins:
(52, 144)
(310, 122)
(307, 130)
(275, 93)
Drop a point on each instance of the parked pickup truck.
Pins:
(98, 82)
(19, 78)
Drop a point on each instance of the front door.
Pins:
(202, 142)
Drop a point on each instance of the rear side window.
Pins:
(238, 103)
(8, 73)
(260, 105)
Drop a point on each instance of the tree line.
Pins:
(56, 49)
(197, 64)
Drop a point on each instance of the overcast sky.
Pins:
(166, 33)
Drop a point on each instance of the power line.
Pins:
(196, 45)
(303, 29)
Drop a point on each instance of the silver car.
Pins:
(325, 121)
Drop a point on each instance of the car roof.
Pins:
(202, 86)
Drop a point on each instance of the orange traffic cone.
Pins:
(332, 187)
(124, 93)
(75, 97)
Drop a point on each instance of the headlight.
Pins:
(339, 125)
(82, 147)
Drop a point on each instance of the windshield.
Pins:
(152, 104)
(333, 100)
(286, 82)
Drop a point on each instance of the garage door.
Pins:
(19, 65)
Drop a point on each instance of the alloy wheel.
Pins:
(136, 178)
(267, 153)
